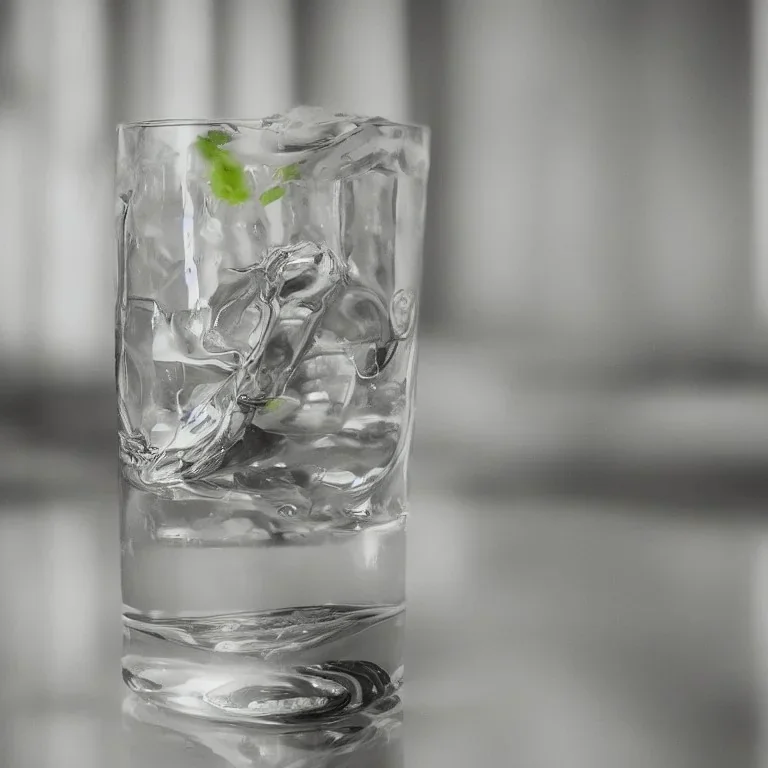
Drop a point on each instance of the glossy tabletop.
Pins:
(574, 615)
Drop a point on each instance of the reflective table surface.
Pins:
(562, 614)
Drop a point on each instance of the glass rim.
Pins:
(253, 122)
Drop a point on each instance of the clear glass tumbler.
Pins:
(266, 313)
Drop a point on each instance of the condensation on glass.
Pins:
(266, 316)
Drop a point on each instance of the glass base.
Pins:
(291, 668)
(154, 736)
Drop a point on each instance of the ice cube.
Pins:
(153, 272)
(214, 366)
(360, 319)
(241, 318)
(135, 371)
(387, 397)
(218, 531)
(302, 279)
(155, 193)
(175, 396)
(255, 448)
(369, 230)
(318, 393)
(301, 134)
(305, 127)
(359, 315)
(353, 460)
(275, 490)
(328, 146)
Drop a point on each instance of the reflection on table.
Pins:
(586, 615)
(154, 737)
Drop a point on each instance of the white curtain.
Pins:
(760, 134)
(593, 158)
(598, 172)
(70, 61)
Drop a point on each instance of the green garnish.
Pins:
(272, 405)
(271, 195)
(210, 144)
(286, 173)
(227, 175)
(228, 180)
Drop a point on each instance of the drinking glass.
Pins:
(266, 315)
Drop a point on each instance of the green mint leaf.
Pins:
(218, 138)
(288, 172)
(271, 195)
(206, 147)
(228, 180)
(210, 145)
(227, 176)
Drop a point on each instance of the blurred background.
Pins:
(588, 539)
